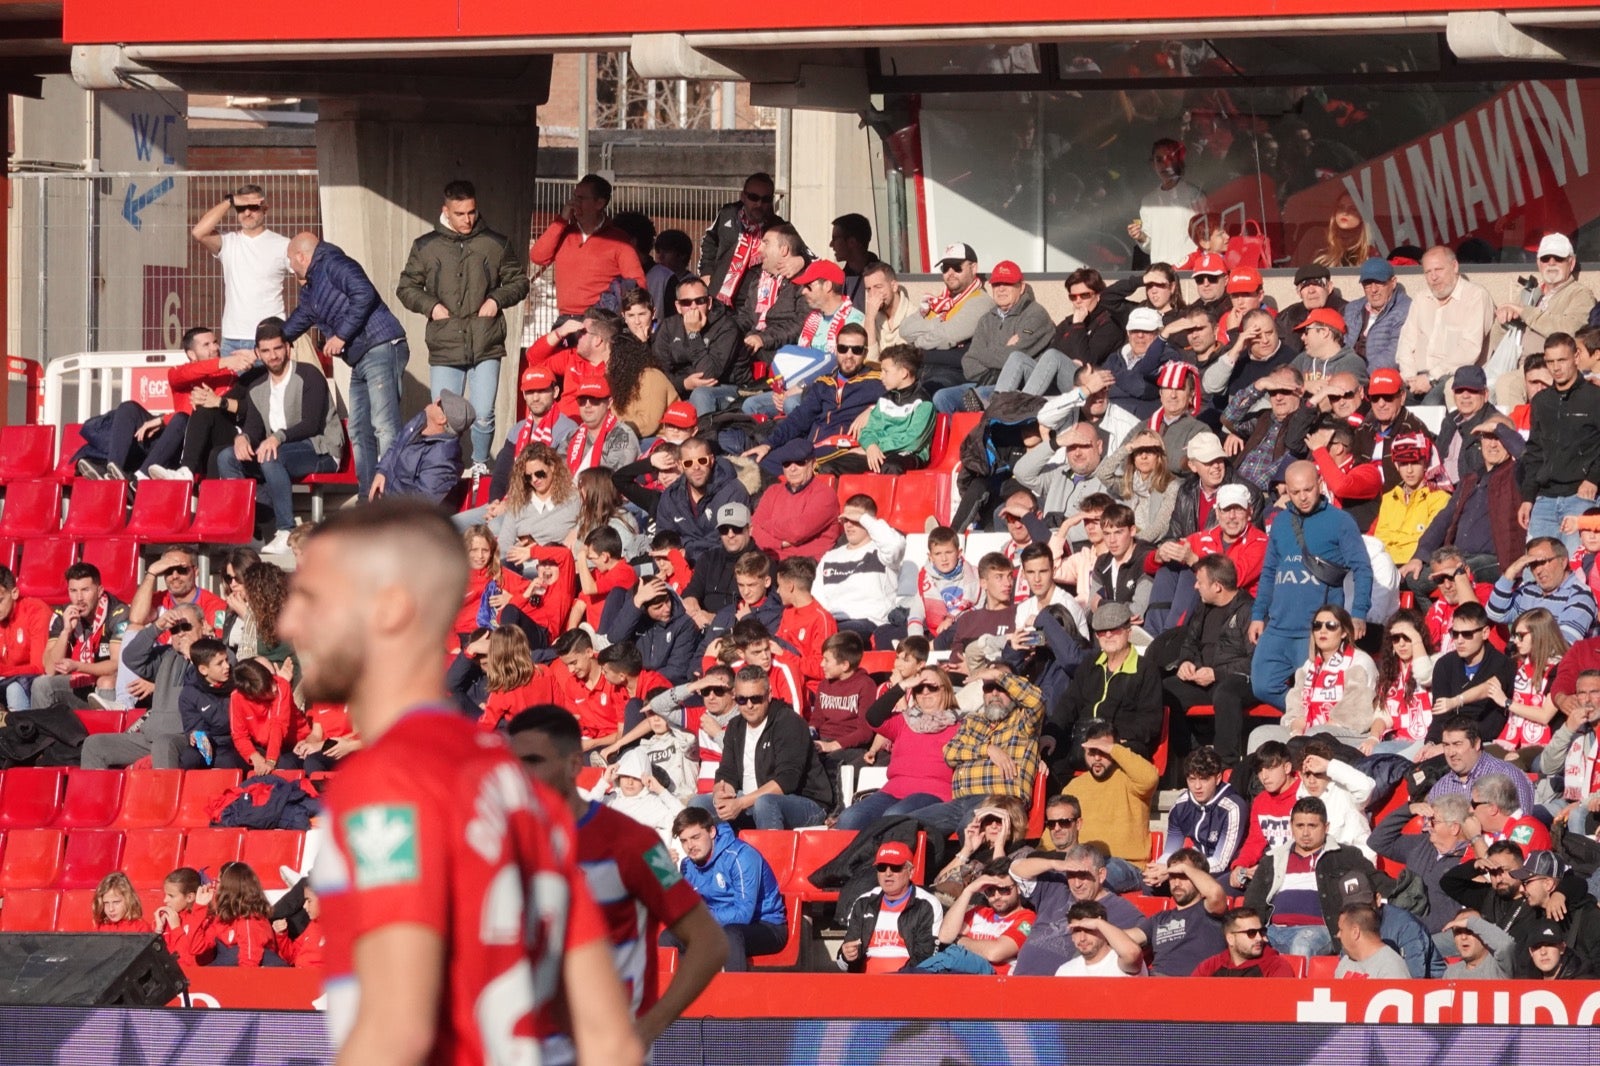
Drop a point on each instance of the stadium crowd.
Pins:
(1237, 546)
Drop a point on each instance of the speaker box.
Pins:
(88, 970)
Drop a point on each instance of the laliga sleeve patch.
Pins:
(1522, 834)
(382, 839)
(662, 866)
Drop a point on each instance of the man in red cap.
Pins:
(1210, 277)
(1388, 418)
(1006, 341)
(602, 439)
(1323, 350)
(1245, 294)
(1410, 507)
(895, 926)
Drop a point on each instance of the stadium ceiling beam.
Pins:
(1489, 36)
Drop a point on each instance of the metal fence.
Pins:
(104, 261)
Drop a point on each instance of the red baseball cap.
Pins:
(681, 415)
(1324, 316)
(894, 852)
(1210, 263)
(1245, 279)
(598, 387)
(1006, 272)
(1386, 382)
(537, 377)
(821, 270)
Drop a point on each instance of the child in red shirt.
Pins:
(239, 927)
(117, 908)
(603, 572)
(183, 915)
(266, 724)
(805, 625)
(484, 569)
(515, 681)
(332, 737)
(304, 950)
(672, 566)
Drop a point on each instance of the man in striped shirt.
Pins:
(1550, 584)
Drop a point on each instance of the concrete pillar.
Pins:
(831, 173)
(382, 168)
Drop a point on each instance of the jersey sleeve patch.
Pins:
(1522, 834)
(661, 864)
(383, 842)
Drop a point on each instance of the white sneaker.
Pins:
(278, 545)
(176, 473)
(479, 470)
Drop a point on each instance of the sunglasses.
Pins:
(695, 301)
(1521, 634)
(538, 475)
(1445, 579)
(180, 627)
(590, 401)
(993, 686)
(1253, 932)
(1463, 634)
(715, 690)
(1458, 390)
(850, 349)
(243, 208)
(751, 198)
(923, 689)
(1208, 279)
(1552, 259)
(952, 266)
(1340, 397)
(1079, 297)
(1060, 823)
(1314, 283)
(746, 701)
(1385, 397)
(181, 571)
(1402, 637)
(690, 464)
(885, 867)
(1113, 629)
(1281, 392)
(728, 531)
(787, 463)
(1327, 625)
(1147, 451)
(1158, 284)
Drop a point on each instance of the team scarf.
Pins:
(1581, 776)
(1520, 732)
(579, 439)
(1324, 686)
(542, 431)
(744, 256)
(1411, 714)
(766, 295)
(923, 721)
(941, 305)
(86, 640)
(808, 332)
(1176, 375)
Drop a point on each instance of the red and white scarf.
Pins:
(766, 295)
(86, 639)
(942, 304)
(581, 439)
(1521, 732)
(1581, 776)
(745, 255)
(813, 323)
(1409, 715)
(1324, 686)
(543, 431)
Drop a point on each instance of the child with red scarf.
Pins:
(1405, 672)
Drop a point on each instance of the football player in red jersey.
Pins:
(455, 912)
(632, 876)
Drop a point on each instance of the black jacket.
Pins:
(1129, 575)
(1332, 868)
(667, 647)
(1470, 461)
(1218, 637)
(719, 242)
(784, 318)
(1450, 679)
(769, 612)
(916, 927)
(1186, 507)
(710, 352)
(783, 754)
(1289, 319)
(1564, 445)
(1132, 703)
(1520, 918)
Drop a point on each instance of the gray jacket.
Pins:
(308, 408)
(545, 527)
(163, 666)
(934, 334)
(1026, 328)
(1044, 470)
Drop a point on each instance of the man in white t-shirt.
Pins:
(1103, 949)
(255, 265)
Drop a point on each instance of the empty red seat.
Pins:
(30, 797)
(226, 513)
(149, 855)
(97, 721)
(268, 849)
(26, 452)
(209, 850)
(9, 550)
(33, 509)
(940, 441)
(161, 511)
(32, 858)
(918, 496)
(90, 855)
(117, 559)
(200, 787)
(878, 486)
(1297, 963)
(96, 509)
(342, 479)
(77, 911)
(814, 849)
(790, 954)
(149, 798)
(93, 798)
(1148, 904)
(962, 423)
(43, 571)
(31, 910)
(66, 468)
(878, 662)
(1321, 967)
(777, 846)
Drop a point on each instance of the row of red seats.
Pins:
(56, 798)
(163, 512)
(71, 910)
(29, 453)
(57, 858)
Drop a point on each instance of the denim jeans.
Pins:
(709, 399)
(952, 817)
(1300, 939)
(761, 403)
(1051, 372)
(478, 384)
(948, 401)
(744, 940)
(465, 520)
(955, 959)
(771, 812)
(868, 809)
(1273, 665)
(377, 382)
(295, 460)
(1548, 511)
(236, 344)
(17, 693)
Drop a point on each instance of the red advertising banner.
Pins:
(1508, 171)
(241, 988)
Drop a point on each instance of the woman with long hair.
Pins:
(996, 829)
(915, 720)
(1348, 240)
(641, 392)
(515, 680)
(265, 588)
(239, 923)
(600, 504)
(540, 507)
(1333, 689)
(1405, 675)
(1539, 646)
(1137, 474)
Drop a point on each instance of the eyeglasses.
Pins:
(538, 475)
(1079, 297)
(690, 464)
(181, 571)
(1208, 279)
(1327, 625)
(180, 627)
(728, 531)
(1463, 634)
(885, 867)
(590, 401)
(1521, 634)
(1445, 579)
(715, 690)
(924, 689)
(746, 701)
(1253, 932)
(1060, 823)
(850, 349)
(695, 301)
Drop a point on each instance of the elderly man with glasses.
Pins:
(895, 927)
(1540, 577)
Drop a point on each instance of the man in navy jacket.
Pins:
(338, 298)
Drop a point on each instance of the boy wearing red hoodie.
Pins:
(1269, 811)
(265, 722)
(804, 625)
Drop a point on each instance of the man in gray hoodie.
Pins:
(159, 734)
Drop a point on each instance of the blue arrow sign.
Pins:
(133, 203)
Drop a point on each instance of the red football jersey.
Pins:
(639, 890)
(436, 823)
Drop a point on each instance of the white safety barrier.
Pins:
(78, 387)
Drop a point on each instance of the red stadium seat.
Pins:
(777, 846)
(91, 854)
(149, 799)
(1148, 905)
(77, 911)
(149, 855)
(30, 797)
(790, 955)
(1158, 844)
(96, 721)
(66, 468)
(33, 509)
(878, 662)
(815, 848)
(26, 453)
(1041, 790)
(29, 911)
(940, 441)
(1164, 744)
(43, 573)
(918, 496)
(1296, 963)
(1321, 967)
(342, 479)
(117, 559)
(267, 849)
(200, 787)
(212, 849)
(93, 798)
(879, 486)
(9, 550)
(96, 509)
(161, 511)
(226, 513)
(32, 858)
(962, 423)
(589, 777)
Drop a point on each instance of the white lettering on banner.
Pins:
(1469, 175)
(1448, 1006)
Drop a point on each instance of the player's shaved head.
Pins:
(403, 544)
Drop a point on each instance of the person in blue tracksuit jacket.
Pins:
(739, 888)
(1290, 593)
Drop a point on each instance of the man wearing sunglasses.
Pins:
(177, 571)
(948, 319)
(828, 408)
(731, 245)
(830, 313)
(1563, 304)
(158, 655)
(1248, 954)
(770, 776)
(894, 927)
(1540, 577)
(255, 265)
(696, 348)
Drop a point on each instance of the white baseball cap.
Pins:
(1555, 244)
(1147, 319)
(1233, 496)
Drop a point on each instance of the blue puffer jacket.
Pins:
(339, 299)
(696, 523)
(669, 647)
(419, 465)
(737, 884)
(1384, 337)
(1289, 594)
